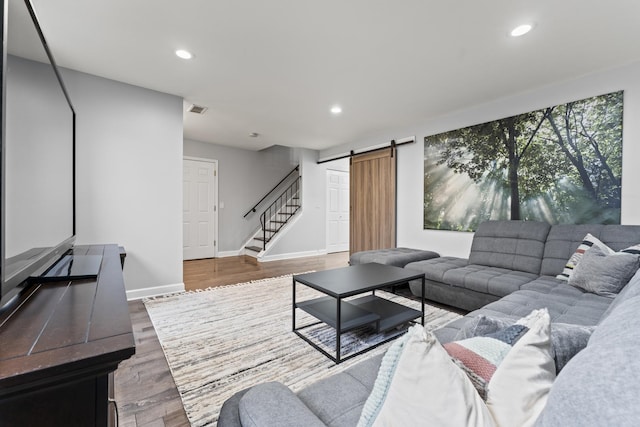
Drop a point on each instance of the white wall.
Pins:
(244, 177)
(410, 157)
(129, 177)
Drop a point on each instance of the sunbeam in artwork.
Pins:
(535, 166)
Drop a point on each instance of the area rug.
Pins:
(222, 340)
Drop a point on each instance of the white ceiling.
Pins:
(276, 67)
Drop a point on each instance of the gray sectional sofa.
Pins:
(507, 256)
(511, 268)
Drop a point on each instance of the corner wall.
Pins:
(307, 235)
(244, 177)
(411, 156)
(129, 173)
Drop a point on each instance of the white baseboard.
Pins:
(225, 254)
(292, 255)
(154, 291)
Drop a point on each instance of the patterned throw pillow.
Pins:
(587, 242)
(481, 356)
(633, 250)
(512, 369)
(567, 339)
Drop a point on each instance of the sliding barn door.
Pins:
(373, 201)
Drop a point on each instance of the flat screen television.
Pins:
(37, 193)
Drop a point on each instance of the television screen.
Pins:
(38, 153)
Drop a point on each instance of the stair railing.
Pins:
(253, 209)
(280, 211)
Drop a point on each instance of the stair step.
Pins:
(293, 206)
(270, 230)
(262, 239)
(253, 248)
(273, 221)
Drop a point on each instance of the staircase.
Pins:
(275, 217)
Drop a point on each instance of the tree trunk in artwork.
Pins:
(572, 151)
(373, 201)
(511, 145)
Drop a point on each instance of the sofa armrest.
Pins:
(274, 404)
(229, 412)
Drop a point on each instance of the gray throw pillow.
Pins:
(566, 339)
(603, 274)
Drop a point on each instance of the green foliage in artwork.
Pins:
(559, 164)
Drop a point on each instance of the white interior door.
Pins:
(199, 233)
(337, 211)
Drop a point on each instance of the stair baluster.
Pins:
(279, 213)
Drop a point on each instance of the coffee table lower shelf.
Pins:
(381, 313)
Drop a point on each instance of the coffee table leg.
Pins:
(422, 300)
(293, 316)
(338, 329)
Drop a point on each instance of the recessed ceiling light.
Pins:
(184, 54)
(254, 134)
(521, 30)
(336, 109)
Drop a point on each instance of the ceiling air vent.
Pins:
(197, 109)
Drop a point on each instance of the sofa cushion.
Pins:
(488, 280)
(450, 331)
(566, 304)
(418, 384)
(435, 269)
(513, 245)
(599, 386)
(619, 237)
(338, 399)
(398, 257)
(604, 273)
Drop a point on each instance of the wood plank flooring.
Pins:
(144, 388)
(204, 273)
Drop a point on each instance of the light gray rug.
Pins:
(222, 340)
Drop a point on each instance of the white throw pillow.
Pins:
(419, 385)
(518, 390)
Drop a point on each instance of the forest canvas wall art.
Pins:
(560, 164)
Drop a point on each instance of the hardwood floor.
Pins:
(144, 387)
(205, 273)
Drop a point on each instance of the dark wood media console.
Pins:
(60, 343)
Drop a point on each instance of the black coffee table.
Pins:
(343, 315)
